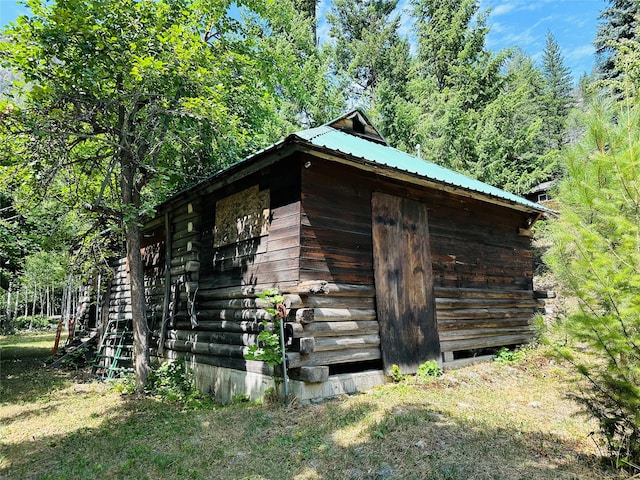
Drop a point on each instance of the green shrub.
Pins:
(396, 373)
(35, 322)
(429, 369)
(173, 382)
(80, 357)
(126, 384)
(268, 348)
(506, 355)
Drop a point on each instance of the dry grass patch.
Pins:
(489, 421)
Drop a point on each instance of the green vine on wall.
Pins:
(268, 348)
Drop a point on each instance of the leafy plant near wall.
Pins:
(506, 356)
(429, 369)
(268, 348)
(173, 382)
(396, 373)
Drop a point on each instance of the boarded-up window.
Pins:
(242, 216)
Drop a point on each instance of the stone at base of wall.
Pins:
(226, 384)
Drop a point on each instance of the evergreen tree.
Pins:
(451, 36)
(453, 80)
(558, 95)
(620, 21)
(511, 139)
(368, 47)
(595, 254)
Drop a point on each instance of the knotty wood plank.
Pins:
(349, 355)
(336, 329)
(332, 314)
(485, 342)
(481, 293)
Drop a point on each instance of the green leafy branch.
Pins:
(268, 348)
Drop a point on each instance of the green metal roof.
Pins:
(378, 155)
(383, 155)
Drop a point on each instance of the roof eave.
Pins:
(391, 172)
(293, 143)
(236, 171)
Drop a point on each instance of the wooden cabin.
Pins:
(384, 259)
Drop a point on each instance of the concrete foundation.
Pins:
(226, 384)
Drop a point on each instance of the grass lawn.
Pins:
(489, 421)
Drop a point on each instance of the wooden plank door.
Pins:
(404, 282)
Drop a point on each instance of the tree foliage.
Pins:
(619, 23)
(123, 101)
(306, 90)
(557, 93)
(367, 46)
(473, 110)
(596, 255)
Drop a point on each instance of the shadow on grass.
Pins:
(23, 374)
(350, 438)
(418, 442)
(147, 439)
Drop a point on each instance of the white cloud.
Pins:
(406, 20)
(579, 53)
(502, 9)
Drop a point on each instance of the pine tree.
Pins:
(595, 254)
(511, 142)
(558, 96)
(620, 21)
(451, 38)
(368, 47)
(454, 78)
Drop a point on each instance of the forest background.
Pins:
(497, 116)
(108, 107)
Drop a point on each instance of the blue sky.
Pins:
(573, 23)
(522, 23)
(9, 10)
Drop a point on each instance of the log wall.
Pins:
(221, 257)
(118, 296)
(317, 250)
(340, 325)
(482, 266)
(115, 319)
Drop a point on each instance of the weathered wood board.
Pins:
(404, 282)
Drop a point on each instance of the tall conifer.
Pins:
(619, 21)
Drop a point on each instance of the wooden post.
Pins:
(167, 281)
(57, 342)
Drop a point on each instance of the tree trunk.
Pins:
(26, 304)
(67, 304)
(7, 325)
(130, 198)
(15, 309)
(140, 328)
